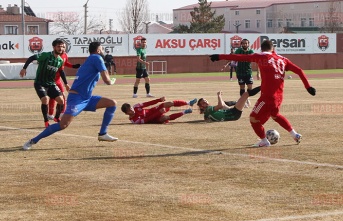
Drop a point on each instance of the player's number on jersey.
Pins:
(278, 65)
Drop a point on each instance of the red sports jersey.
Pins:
(272, 67)
(66, 63)
(143, 116)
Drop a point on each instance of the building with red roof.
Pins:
(11, 22)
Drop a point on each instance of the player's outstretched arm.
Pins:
(27, 63)
(297, 70)
(220, 101)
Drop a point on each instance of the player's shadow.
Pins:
(188, 153)
(272, 146)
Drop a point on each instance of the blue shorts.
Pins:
(76, 104)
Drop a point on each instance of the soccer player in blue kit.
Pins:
(80, 97)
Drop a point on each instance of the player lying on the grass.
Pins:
(138, 114)
(80, 97)
(272, 67)
(222, 112)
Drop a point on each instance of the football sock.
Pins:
(44, 108)
(175, 116)
(283, 122)
(293, 133)
(179, 103)
(51, 106)
(135, 89)
(259, 129)
(108, 116)
(47, 132)
(147, 88)
(241, 91)
(254, 91)
(59, 109)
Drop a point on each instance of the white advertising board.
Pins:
(287, 43)
(77, 45)
(16, 46)
(11, 46)
(179, 44)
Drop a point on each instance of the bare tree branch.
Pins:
(134, 15)
(72, 24)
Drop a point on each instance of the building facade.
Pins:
(272, 16)
(11, 22)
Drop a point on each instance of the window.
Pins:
(236, 12)
(247, 23)
(236, 22)
(311, 22)
(258, 23)
(303, 22)
(280, 23)
(269, 23)
(258, 11)
(11, 30)
(289, 22)
(32, 30)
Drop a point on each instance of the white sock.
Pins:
(265, 140)
(293, 133)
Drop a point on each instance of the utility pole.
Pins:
(85, 6)
(23, 16)
(147, 27)
(111, 20)
(237, 26)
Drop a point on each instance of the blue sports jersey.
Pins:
(88, 75)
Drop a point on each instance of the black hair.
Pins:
(201, 110)
(267, 45)
(57, 42)
(125, 107)
(93, 47)
(143, 39)
(244, 39)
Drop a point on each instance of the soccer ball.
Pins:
(273, 136)
(289, 77)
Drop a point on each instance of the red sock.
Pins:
(51, 106)
(179, 103)
(175, 116)
(65, 104)
(283, 122)
(259, 129)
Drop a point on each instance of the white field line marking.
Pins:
(197, 150)
(317, 215)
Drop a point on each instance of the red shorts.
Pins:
(60, 85)
(154, 110)
(264, 109)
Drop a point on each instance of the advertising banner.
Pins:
(288, 43)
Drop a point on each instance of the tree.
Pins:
(204, 20)
(70, 24)
(134, 15)
(332, 22)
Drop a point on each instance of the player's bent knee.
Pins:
(253, 120)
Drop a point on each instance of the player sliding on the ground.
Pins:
(222, 112)
(138, 114)
(272, 67)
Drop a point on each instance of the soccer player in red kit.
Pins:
(138, 114)
(272, 68)
(61, 75)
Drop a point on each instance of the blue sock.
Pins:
(108, 116)
(47, 132)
